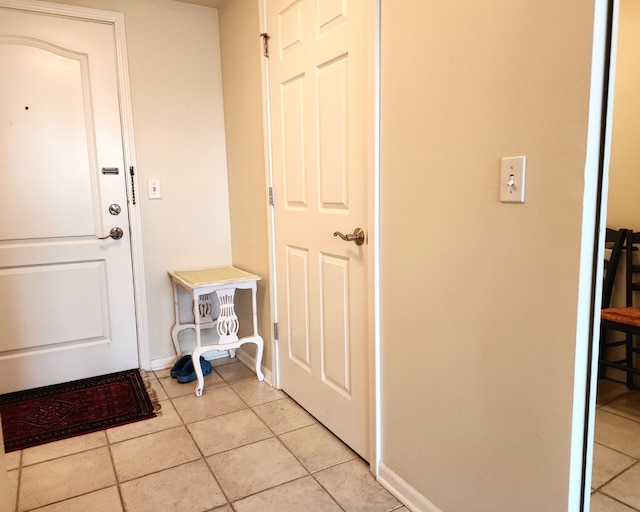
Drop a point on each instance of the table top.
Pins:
(212, 276)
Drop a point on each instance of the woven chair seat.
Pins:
(627, 316)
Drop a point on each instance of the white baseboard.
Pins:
(167, 362)
(162, 364)
(409, 497)
(242, 356)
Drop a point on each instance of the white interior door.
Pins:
(66, 297)
(320, 95)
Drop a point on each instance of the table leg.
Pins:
(195, 357)
(254, 307)
(175, 329)
(259, 341)
(260, 347)
(198, 350)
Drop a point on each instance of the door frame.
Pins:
(373, 247)
(116, 19)
(592, 252)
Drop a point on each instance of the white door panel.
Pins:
(319, 99)
(66, 297)
(48, 322)
(40, 71)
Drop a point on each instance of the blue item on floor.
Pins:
(188, 372)
(180, 364)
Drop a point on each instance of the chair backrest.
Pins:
(614, 241)
(632, 278)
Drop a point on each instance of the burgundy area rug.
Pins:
(41, 415)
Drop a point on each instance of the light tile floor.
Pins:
(241, 447)
(616, 460)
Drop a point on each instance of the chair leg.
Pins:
(602, 372)
(626, 364)
(634, 371)
(629, 360)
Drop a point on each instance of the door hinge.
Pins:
(133, 185)
(265, 44)
(271, 196)
(275, 330)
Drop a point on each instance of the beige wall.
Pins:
(176, 88)
(241, 79)
(624, 173)
(478, 298)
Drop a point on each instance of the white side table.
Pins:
(223, 281)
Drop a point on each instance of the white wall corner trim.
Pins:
(409, 497)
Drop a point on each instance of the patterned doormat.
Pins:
(41, 415)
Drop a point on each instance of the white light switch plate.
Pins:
(154, 189)
(512, 173)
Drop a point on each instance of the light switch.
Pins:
(154, 189)
(512, 173)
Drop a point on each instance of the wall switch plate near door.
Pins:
(154, 189)
(512, 172)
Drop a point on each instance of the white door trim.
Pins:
(373, 185)
(374, 279)
(126, 118)
(593, 226)
(266, 122)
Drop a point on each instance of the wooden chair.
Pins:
(626, 319)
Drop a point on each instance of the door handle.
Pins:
(115, 233)
(357, 236)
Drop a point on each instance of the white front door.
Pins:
(321, 83)
(66, 297)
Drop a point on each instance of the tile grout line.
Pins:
(202, 455)
(616, 476)
(115, 473)
(619, 414)
(636, 459)
(618, 501)
(19, 481)
(116, 484)
(310, 473)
